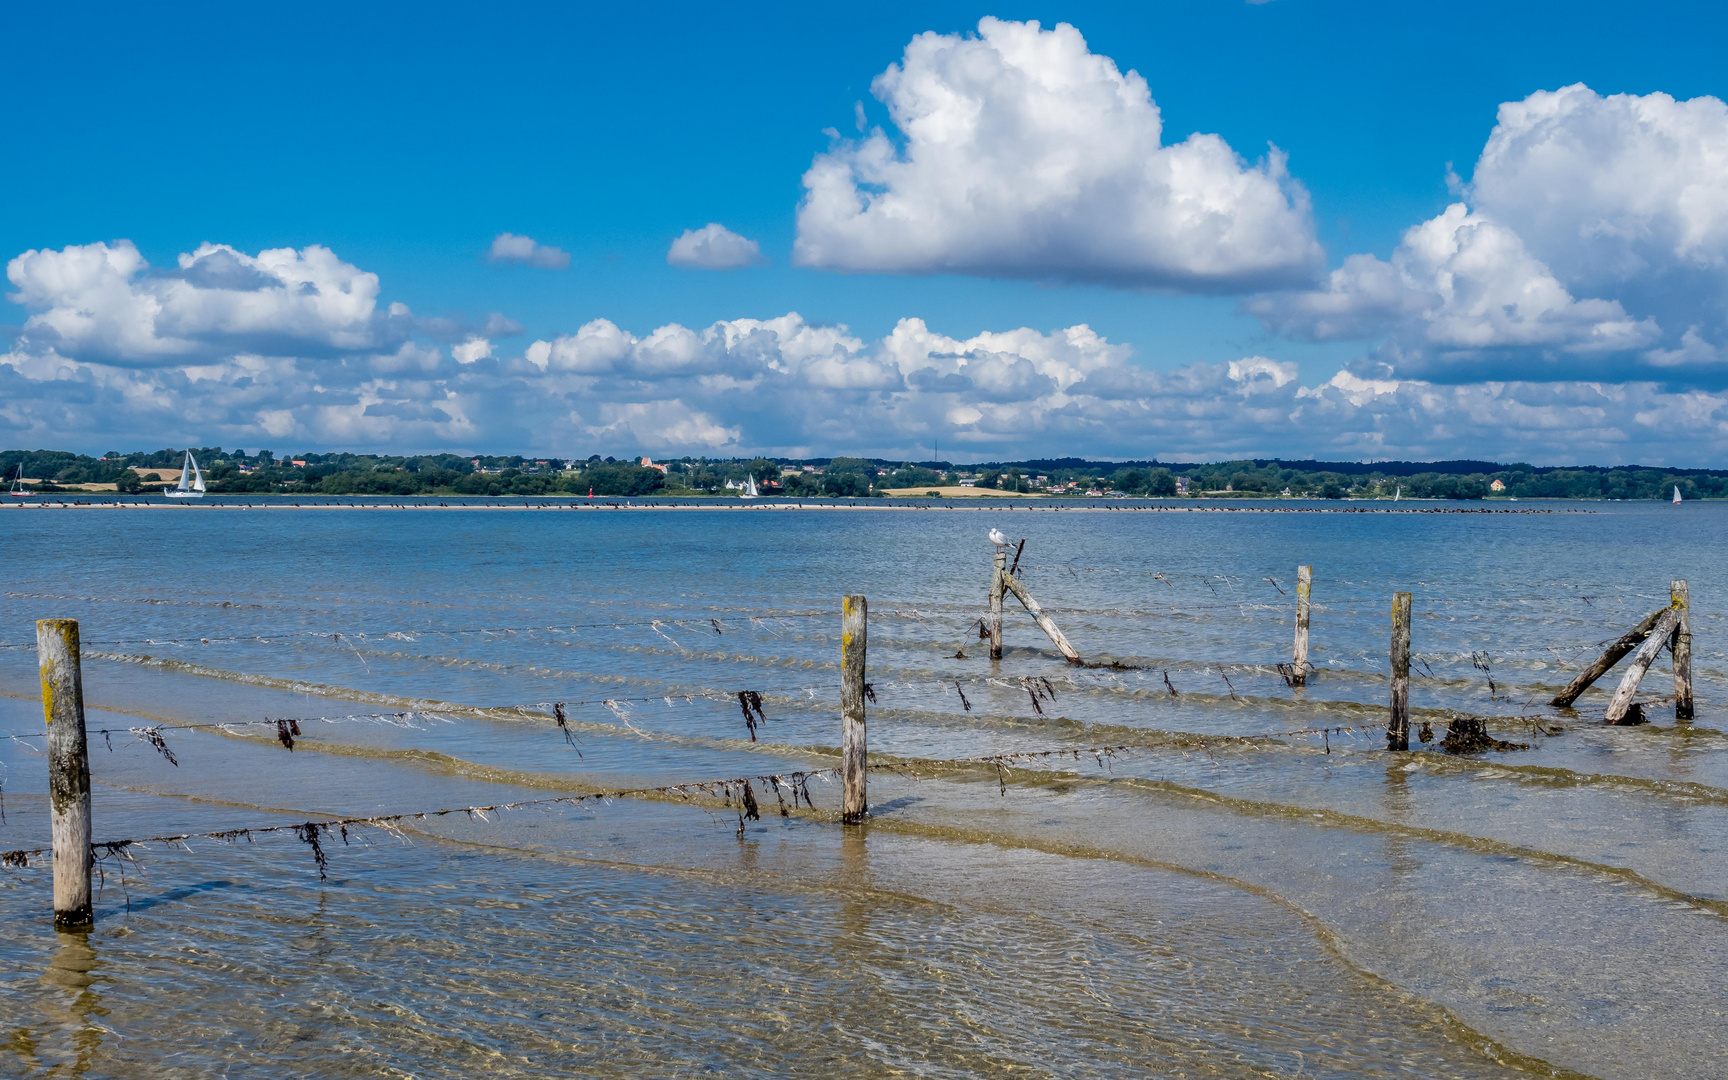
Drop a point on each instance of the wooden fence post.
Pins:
(854, 633)
(68, 771)
(1398, 727)
(997, 586)
(1304, 586)
(1682, 649)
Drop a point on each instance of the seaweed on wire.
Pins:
(1039, 690)
(563, 722)
(308, 834)
(153, 736)
(750, 701)
(774, 783)
(1479, 661)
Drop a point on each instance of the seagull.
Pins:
(997, 538)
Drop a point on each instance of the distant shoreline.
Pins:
(992, 506)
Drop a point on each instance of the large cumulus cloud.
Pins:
(1590, 243)
(1023, 154)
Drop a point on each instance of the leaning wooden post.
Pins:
(1398, 727)
(68, 770)
(1660, 634)
(854, 633)
(1610, 656)
(1304, 585)
(1056, 636)
(997, 586)
(1682, 649)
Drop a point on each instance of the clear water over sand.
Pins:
(1199, 906)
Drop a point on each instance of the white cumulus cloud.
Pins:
(1592, 243)
(1024, 154)
(135, 357)
(525, 251)
(714, 247)
(1611, 189)
(1460, 295)
(104, 301)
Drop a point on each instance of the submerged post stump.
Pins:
(68, 770)
(1682, 649)
(1398, 726)
(1299, 661)
(997, 587)
(854, 631)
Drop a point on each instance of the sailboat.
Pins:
(1398, 494)
(1676, 494)
(19, 491)
(750, 491)
(191, 484)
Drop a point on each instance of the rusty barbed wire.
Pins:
(732, 791)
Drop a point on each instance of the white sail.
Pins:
(191, 484)
(750, 491)
(1676, 492)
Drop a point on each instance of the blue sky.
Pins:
(405, 138)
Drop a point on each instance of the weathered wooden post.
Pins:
(1398, 727)
(1681, 597)
(1304, 586)
(854, 633)
(68, 771)
(998, 584)
(1660, 635)
(1056, 636)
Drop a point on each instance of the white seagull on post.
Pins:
(998, 539)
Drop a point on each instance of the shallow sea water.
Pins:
(1201, 904)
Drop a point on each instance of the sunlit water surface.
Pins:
(1195, 905)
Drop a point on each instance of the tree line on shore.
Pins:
(236, 472)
